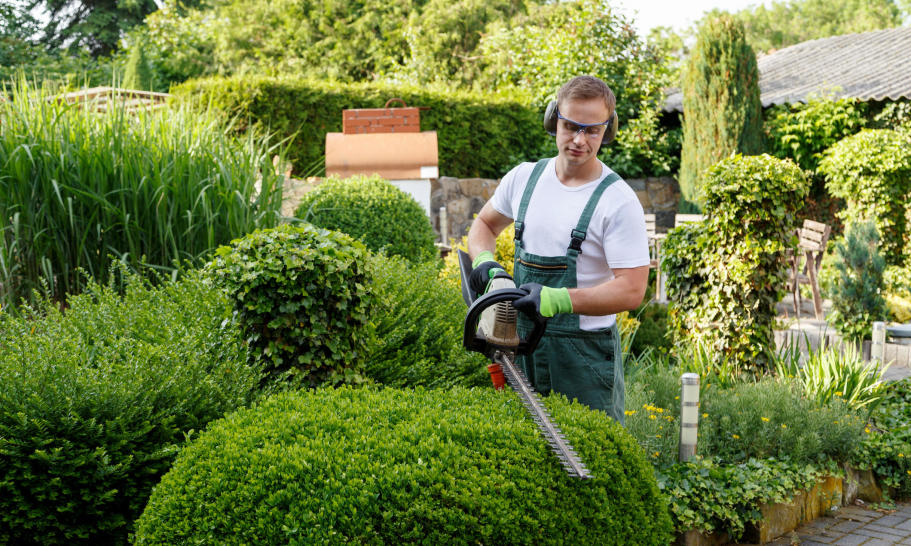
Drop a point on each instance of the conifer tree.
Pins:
(138, 72)
(857, 299)
(722, 113)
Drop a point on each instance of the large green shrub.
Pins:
(300, 295)
(871, 171)
(387, 466)
(152, 187)
(96, 401)
(418, 329)
(722, 111)
(371, 209)
(857, 299)
(478, 134)
(725, 274)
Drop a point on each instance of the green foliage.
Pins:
(782, 23)
(78, 186)
(383, 217)
(138, 72)
(803, 131)
(92, 25)
(304, 111)
(388, 466)
(652, 332)
(835, 372)
(722, 111)
(300, 296)
(418, 329)
(718, 498)
(857, 300)
(725, 274)
(97, 400)
(886, 449)
(871, 171)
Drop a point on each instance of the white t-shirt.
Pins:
(616, 234)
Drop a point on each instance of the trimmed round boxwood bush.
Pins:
(96, 400)
(418, 329)
(371, 209)
(415, 466)
(300, 296)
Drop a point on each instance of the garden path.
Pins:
(854, 526)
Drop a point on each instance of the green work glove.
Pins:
(543, 301)
(484, 269)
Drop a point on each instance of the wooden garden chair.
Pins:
(811, 246)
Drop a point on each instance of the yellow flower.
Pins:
(837, 393)
(867, 430)
(705, 415)
(652, 417)
(784, 425)
(676, 398)
(901, 454)
(734, 436)
(629, 412)
(835, 422)
(766, 419)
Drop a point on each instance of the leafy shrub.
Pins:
(423, 466)
(300, 296)
(803, 131)
(652, 332)
(886, 448)
(77, 186)
(725, 274)
(717, 498)
(857, 301)
(504, 254)
(898, 292)
(305, 110)
(723, 114)
(835, 372)
(772, 419)
(871, 171)
(97, 400)
(418, 329)
(371, 209)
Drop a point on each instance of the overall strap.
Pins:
(578, 235)
(526, 197)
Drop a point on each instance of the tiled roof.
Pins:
(868, 66)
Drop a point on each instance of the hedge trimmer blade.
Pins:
(539, 414)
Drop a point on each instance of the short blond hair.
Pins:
(587, 87)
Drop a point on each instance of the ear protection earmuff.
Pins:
(550, 124)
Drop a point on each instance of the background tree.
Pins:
(721, 107)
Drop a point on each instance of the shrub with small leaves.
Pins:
(439, 466)
(418, 329)
(886, 448)
(300, 295)
(371, 209)
(97, 400)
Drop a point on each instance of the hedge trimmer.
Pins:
(490, 329)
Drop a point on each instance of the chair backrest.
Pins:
(686, 218)
(650, 225)
(813, 236)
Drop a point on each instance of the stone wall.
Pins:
(463, 198)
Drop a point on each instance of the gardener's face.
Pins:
(581, 129)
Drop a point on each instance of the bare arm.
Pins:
(484, 230)
(622, 293)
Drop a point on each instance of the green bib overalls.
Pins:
(581, 364)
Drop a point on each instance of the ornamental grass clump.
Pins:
(391, 466)
(97, 400)
(300, 295)
(371, 209)
(79, 187)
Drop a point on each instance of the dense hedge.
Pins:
(374, 211)
(96, 401)
(389, 467)
(871, 171)
(725, 274)
(300, 296)
(418, 325)
(478, 134)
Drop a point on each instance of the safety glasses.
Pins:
(591, 130)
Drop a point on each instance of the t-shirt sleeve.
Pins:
(502, 200)
(625, 237)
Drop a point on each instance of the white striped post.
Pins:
(878, 345)
(689, 415)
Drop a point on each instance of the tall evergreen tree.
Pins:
(722, 113)
(138, 73)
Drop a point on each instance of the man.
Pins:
(581, 250)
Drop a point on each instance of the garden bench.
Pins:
(805, 263)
